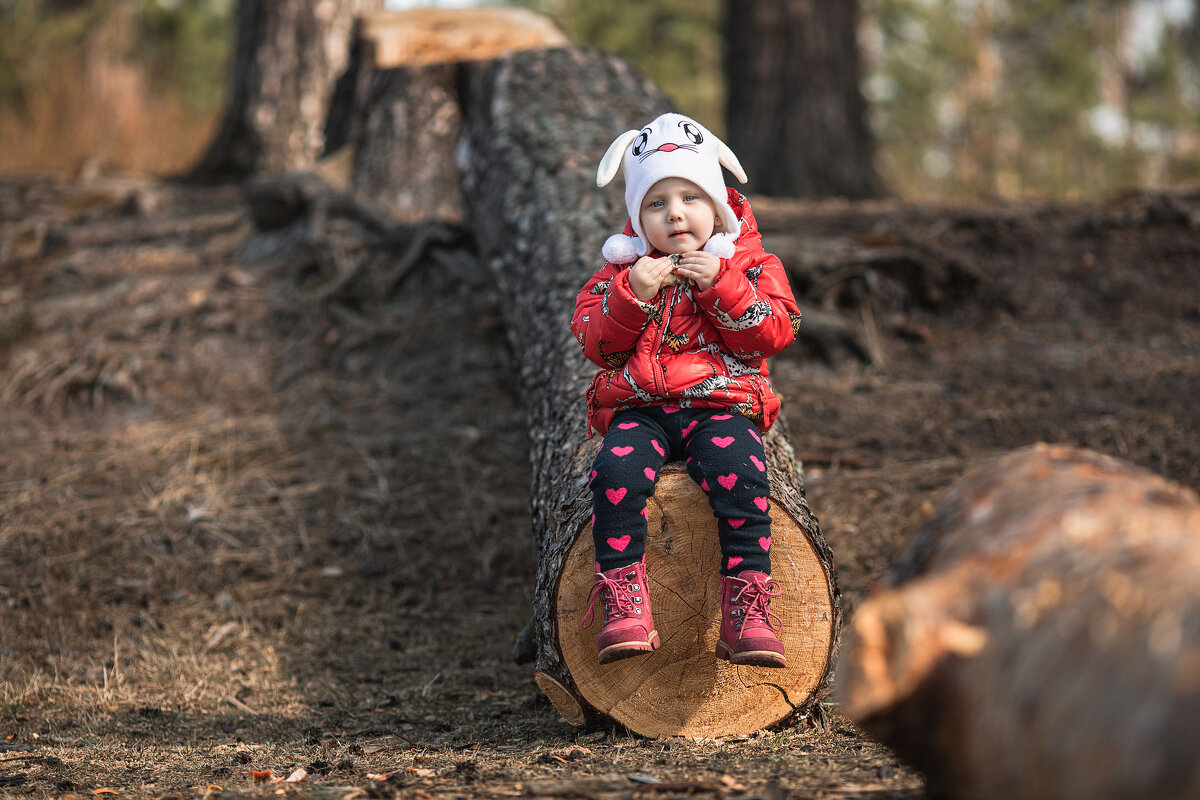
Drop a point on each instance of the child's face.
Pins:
(677, 216)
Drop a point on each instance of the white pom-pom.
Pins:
(720, 245)
(621, 249)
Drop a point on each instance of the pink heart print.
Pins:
(761, 502)
(627, 425)
(704, 486)
(649, 471)
(723, 441)
(592, 477)
(615, 495)
(622, 451)
(619, 543)
(754, 433)
(688, 428)
(764, 542)
(670, 409)
(646, 513)
(734, 561)
(761, 466)
(736, 522)
(722, 416)
(727, 481)
(658, 447)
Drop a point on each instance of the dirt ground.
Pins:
(244, 528)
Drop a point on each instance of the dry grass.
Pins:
(242, 528)
(84, 103)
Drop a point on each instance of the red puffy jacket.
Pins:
(689, 348)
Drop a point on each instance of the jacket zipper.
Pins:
(660, 378)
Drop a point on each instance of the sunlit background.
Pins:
(968, 98)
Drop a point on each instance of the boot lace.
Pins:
(617, 600)
(754, 601)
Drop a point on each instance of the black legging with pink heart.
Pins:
(723, 453)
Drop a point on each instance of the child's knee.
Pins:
(608, 471)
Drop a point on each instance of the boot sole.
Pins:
(751, 658)
(620, 650)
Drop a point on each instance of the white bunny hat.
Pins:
(672, 146)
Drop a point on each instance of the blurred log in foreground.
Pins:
(1040, 637)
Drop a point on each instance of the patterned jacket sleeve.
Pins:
(751, 304)
(608, 317)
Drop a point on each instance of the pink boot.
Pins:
(747, 624)
(628, 624)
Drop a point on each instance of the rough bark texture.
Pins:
(397, 112)
(794, 114)
(287, 57)
(409, 129)
(1040, 637)
(536, 123)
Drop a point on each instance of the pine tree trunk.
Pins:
(794, 113)
(287, 57)
(536, 125)
(1040, 636)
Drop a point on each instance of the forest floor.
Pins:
(246, 529)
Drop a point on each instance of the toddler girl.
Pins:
(681, 318)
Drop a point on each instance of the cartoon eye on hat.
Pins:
(672, 145)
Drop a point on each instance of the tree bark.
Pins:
(288, 54)
(397, 107)
(405, 152)
(794, 113)
(1040, 636)
(536, 124)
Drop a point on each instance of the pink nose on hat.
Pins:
(666, 148)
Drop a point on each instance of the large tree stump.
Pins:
(536, 124)
(1040, 637)
(287, 57)
(398, 112)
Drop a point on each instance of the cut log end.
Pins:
(561, 698)
(682, 688)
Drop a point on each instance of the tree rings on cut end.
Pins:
(682, 688)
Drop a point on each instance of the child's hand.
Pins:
(646, 276)
(699, 267)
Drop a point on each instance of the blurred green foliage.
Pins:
(677, 43)
(134, 83)
(1046, 97)
(967, 97)
(183, 45)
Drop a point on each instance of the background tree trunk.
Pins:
(1040, 636)
(288, 54)
(536, 124)
(794, 113)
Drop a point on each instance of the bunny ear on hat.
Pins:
(729, 161)
(611, 163)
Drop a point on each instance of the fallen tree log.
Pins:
(536, 123)
(1040, 636)
(523, 133)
